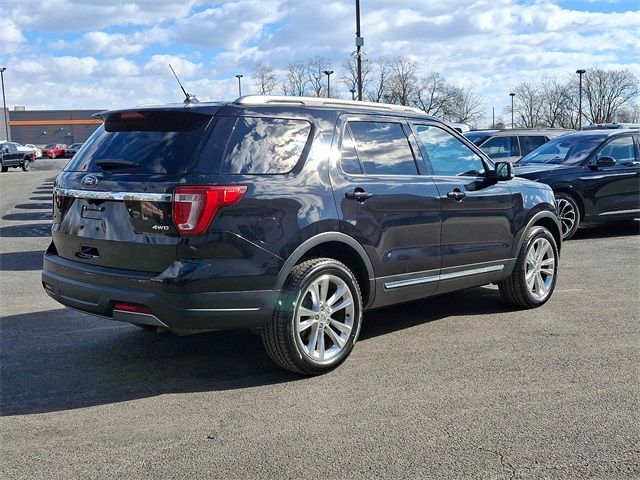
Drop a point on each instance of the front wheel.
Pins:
(317, 320)
(26, 165)
(534, 277)
(568, 214)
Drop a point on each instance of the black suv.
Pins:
(291, 216)
(595, 175)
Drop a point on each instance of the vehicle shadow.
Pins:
(27, 216)
(613, 229)
(21, 261)
(26, 230)
(61, 359)
(35, 206)
(41, 197)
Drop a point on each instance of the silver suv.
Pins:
(512, 144)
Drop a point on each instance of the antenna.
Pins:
(188, 97)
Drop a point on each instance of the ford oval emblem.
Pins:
(90, 181)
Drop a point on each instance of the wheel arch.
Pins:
(574, 193)
(338, 246)
(543, 218)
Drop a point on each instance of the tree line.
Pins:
(607, 95)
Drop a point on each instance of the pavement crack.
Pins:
(506, 465)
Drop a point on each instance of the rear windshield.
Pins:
(144, 142)
(187, 142)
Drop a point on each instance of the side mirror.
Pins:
(601, 162)
(504, 171)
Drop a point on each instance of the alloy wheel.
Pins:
(324, 318)
(567, 214)
(540, 266)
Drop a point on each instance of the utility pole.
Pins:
(512, 95)
(328, 74)
(493, 115)
(239, 76)
(359, 45)
(4, 104)
(580, 73)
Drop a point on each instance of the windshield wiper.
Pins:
(108, 164)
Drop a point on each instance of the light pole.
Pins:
(328, 74)
(580, 73)
(512, 95)
(353, 93)
(359, 45)
(4, 104)
(239, 76)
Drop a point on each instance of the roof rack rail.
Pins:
(321, 102)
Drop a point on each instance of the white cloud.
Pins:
(11, 38)
(230, 25)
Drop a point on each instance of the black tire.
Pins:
(514, 289)
(280, 335)
(5, 169)
(570, 212)
(26, 165)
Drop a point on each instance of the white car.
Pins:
(35, 149)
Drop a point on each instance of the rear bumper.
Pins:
(176, 308)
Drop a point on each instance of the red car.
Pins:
(54, 150)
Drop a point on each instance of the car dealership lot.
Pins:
(456, 386)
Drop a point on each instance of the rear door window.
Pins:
(499, 147)
(144, 142)
(383, 148)
(259, 145)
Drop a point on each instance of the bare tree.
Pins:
(316, 78)
(295, 82)
(464, 106)
(608, 91)
(433, 95)
(557, 100)
(380, 75)
(266, 77)
(527, 105)
(349, 74)
(404, 81)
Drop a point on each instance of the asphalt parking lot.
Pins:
(460, 386)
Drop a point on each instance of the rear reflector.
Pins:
(128, 307)
(195, 207)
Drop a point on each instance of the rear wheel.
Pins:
(317, 320)
(4, 169)
(568, 213)
(26, 165)
(534, 277)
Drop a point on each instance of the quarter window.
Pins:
(265, 145)
(349, 158)
(383, 148)
(447, 155)
(529, 144)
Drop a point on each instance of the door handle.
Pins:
(456, 194)
(359, 195)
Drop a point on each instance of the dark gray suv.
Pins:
(291, 216)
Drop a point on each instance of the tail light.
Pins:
(195, 207)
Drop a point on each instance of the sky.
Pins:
(96, 54)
